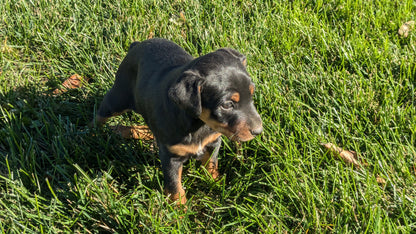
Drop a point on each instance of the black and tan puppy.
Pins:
(187, 103)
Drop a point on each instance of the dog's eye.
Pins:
(227, 105)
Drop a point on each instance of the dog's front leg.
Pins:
(172, 173)
(210, 158)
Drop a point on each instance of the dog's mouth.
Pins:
(238, 132)
(233, 135)
(237, 137)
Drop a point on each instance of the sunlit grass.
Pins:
(325, 71)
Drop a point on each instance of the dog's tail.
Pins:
(133, 44)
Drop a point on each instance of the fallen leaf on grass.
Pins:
(380, 180)
(134, 132)
(348, 156)
(73, 82)
(406, 28)
(4, 48)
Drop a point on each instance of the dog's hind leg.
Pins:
(118, 100)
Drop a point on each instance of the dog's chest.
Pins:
(194, 149)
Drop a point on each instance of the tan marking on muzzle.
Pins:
(242, 132)
(239, 132)
(212, 123)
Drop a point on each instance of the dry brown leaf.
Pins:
(134, 132)
(348, 156)
(4, 48)
(152, 32)
(406, 28)
(73, 82)
(182, 16)
(380, 180)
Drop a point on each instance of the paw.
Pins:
(178, 197)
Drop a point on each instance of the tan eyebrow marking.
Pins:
(235, 97)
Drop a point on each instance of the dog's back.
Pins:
(153, 65)
(156, 56)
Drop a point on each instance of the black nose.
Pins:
(257, 131)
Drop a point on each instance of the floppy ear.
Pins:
(236, 54)
(186, 93)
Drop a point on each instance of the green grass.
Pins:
(326, 71)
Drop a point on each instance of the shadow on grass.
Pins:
(49, 153)
(44, 139)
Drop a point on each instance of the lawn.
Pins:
(325, 71)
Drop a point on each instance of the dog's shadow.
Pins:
(48, 150)
(46, 144)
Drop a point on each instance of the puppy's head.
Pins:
(218, 90)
